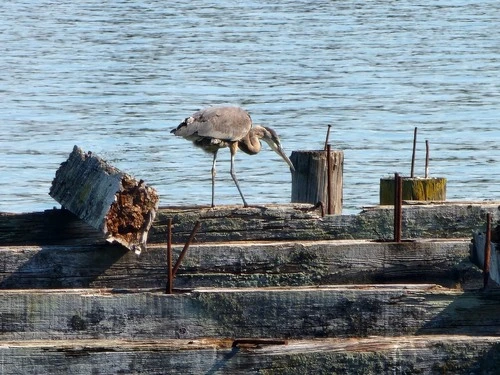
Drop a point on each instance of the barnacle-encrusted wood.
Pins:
(106, 198)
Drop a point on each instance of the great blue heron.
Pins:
(213, 128)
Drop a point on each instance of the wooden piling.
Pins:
(414, 189)
(313, 169)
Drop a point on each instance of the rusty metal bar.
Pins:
(186, 247)
(398, 206)
(327, 137)
(170, 281)
(487, 251)
(258, 342)
(426, 158)
(414, 152)
(329, 179)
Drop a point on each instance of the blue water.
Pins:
(113, 77)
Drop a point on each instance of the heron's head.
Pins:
(273, 140)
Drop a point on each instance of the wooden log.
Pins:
(457, 354)
(115, 203)
(289, 222)
(242, 264)
(310, 179)
(307, 312)
(414, 189)
(268, 223)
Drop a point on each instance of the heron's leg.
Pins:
(214, 172)
(233, 147)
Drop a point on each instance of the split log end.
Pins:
(106, 198)
(131, 214)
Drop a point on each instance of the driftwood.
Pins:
(107, 199)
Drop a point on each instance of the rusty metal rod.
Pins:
(170, 281)
(414, 152)
(329, 179)
(327, 137)
(398, 206)
(426, 158)
(186, 247)
(487, 251)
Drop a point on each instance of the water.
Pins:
(114, 77)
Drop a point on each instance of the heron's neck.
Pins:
(250, 143)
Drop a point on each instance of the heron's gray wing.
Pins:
(226, 123)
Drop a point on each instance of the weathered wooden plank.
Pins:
(109, 200)
(307, 312)
(281, 223)
(242, 264)
(56, 226)
(270, 222)
(394, 355)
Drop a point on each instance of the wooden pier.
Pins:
(275, 289)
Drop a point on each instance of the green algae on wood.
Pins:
(414, 189)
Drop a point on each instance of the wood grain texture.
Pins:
(385, 355)
(125, 323)
(86, 185)
(241, 264)
(306, 312)
(105, 198)
(270, 222)
(310, 178)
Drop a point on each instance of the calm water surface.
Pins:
(114, 77)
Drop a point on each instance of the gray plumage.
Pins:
(214, 128)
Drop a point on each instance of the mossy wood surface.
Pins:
(272, 222)
(414, 189)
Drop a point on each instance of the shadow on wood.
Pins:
(63, 267)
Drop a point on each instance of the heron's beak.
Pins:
(279, 150)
